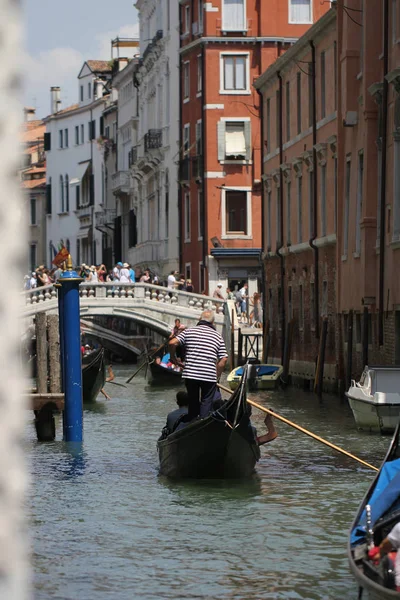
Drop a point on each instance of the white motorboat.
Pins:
(375, 399)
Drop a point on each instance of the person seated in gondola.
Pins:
(182, 400)
(391, 543)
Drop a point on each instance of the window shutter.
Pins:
(221, 140)
(247, 137)
(93, 130)
(78, 197)
(48, 198)
(101, 125)
(132, 229)
(47, 142)
(91, 193)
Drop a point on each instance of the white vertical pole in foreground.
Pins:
(14, 569)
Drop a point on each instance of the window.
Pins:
(311, 203)
(82, 134)
(81, 93)
(359, 201)
(298, 103)
(61, 138)
(199, 73)
(48, 197)
(269, 228)
(290, 303)
(93, 130)
(268, 132)
(33, 211)
(301, 307)
(312, 304)
(187, 217)
(233, 15)
(47, 142)
(234, 140)
(186, 139)
(346, 208)
(66, 138)
(324, 307)
(89, 88)
(234, 72)
(278, 118)
(323, 200)
(335, 192)
(287, 111)
(278, 216)
(310, 95)
(200, 214)
(323, 86)
(288, 213)
(132, 229)
(32, 256)
(396, 191)
(78, 197)
(186, 80)
(77, 134)
(201, 277)
(199, 141)
(335, 74)
(66, 193)
(61, 194)
(300, 11)
(236, 212)
(187, 18)
(299, 210)
(201, 14)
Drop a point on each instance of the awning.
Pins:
(80, 173)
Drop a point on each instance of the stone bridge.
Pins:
(152, 306)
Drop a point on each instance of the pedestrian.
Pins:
(102, 273)
(205, 360)
(189, 286)
(391, 543)
(242, 301)
(171, 283)
(33, 281)
(229, 295)
(124, 276)
(145, 278)
(132, 274)
(116, 271)
(218, 292)
(181, 282)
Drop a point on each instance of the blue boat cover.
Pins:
(261, 370)
(386, 492)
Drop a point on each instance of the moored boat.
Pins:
(163, 372)
(261, 377)
(222, 445)
(378, 513)
(375, 399)
(93, 375)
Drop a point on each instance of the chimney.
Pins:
(29, 114)
(55, 93)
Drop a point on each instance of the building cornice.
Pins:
(75, 111)
(227, 41)
(314, 32)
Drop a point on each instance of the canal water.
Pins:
(104, 525)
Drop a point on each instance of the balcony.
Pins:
(106, 217)
(132, 156)
(120, 183)
(153, 139)
(184, 169)
(197, 167)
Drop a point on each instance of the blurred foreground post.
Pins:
(14, 565)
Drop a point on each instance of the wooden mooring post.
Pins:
(47, 398)
(232, 339)
(349, 367)
(319, 372)
(266, 342)
(287, 352)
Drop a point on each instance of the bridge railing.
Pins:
(126, 291)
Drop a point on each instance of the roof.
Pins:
(29, 184)
(33, 134)
(67, 109)
(34, 170)
(99, 66)
(236, 252)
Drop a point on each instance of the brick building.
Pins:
(332, 190)
(300, 196)
(225, 46)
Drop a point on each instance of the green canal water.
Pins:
(104, 525)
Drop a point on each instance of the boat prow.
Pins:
(261, 377)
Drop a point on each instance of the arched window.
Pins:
(66, 193)
(62, 207)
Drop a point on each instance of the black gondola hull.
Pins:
(162, 376)
(93, 375)
(223, 445)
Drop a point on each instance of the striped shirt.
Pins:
(204, 347)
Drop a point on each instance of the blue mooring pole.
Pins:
(71, 353)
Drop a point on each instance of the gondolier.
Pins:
(205, 360)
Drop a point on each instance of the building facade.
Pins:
(225, 46)
(153, 157)
(300, 197)
(33, 182)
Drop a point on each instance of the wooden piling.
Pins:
(266, 339)
(319, 373)
(287, 352)
(41, 352)
(54, 354)
(365, 336)
(349, 365)
(232, 339)
(240, 347)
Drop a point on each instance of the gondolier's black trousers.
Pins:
(201, 397)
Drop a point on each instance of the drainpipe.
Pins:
(263, 276)
(203, 179)
(315, 193)
(91, 188)
(383, 178)
(280, 241)
(180, 194)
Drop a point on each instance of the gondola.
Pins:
(377, 515)
(93, 375)
(223, 445)
(163, 375)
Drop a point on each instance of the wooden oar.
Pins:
(299, 428)
(145, 363)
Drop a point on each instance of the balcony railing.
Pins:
(106, 216)
(132, 156)
(153, 139)
(184, 169)
(197, 167)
